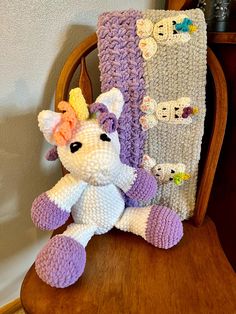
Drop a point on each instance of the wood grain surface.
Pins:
(124, 274)
(222, 38)
(11, 307)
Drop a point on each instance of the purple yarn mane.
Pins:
(121, 66)
(97, 107)
(106, 119)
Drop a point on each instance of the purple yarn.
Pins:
(46, 215)
(185, 115)
(108, 121)
(144, 187)
(130, 203)
(52, 154)
(61, 262)
(187, 111)
(164, 227)
(97, 107)
(121, 66)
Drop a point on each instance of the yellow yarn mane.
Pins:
(78, 103)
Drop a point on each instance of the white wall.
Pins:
(36, 38)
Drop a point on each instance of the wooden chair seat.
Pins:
(124, 274)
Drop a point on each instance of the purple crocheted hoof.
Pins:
(144, 187)
(164, 227)
(46, 215)
(61, 262)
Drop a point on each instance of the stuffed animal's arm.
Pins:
(137, 184)
(51, 209)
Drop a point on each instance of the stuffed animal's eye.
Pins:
(75, 146)
(104, 137)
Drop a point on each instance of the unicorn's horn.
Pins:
(77, 101)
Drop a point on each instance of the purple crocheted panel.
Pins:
(121, 66)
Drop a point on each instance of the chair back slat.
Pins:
(217, 135)
(85, 82)
(71, 65)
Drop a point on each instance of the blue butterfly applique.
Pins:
(184, 26)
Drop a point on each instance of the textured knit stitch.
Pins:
(135, 220)
(92, 192)
(65, 193)
(61, 262)
(46, 215)
(107, 120)
(164, 227)
(177, 71)
(121, 66)
(143, 188)
(82, 233)
(159, 225)
(97, 107)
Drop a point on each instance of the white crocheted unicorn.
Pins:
(88, 147)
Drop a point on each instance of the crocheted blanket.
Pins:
(158, 60)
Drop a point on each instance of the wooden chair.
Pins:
(124, 274)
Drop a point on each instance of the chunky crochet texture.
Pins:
(61, 262)
(176, 71)
(170, 55)
(159, 68)
(46, 215)
(143, 188)
(121, 66)
(164, 227)
(92, 192)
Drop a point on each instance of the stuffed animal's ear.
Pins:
(47, 122)
(148, 163)
(114, 101)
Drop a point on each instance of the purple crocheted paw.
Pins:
(61, 262)
(164, 227)
(144, 187)
(46, 214)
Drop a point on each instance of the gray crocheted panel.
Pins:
(176, 70)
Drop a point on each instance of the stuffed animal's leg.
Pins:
(61, 262)
(81, 233)
(158, 225)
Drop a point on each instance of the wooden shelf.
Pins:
(221, 37)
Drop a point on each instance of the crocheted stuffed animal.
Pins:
(88, 146)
